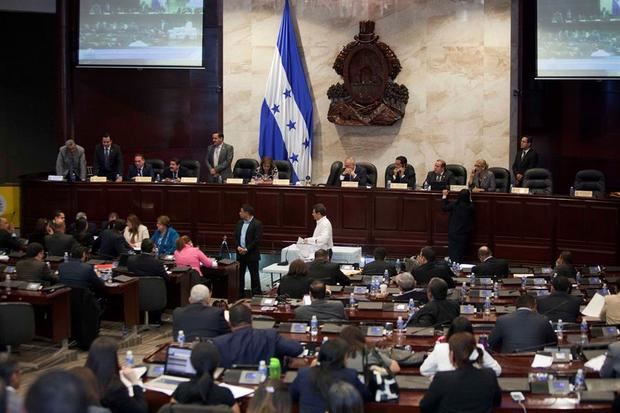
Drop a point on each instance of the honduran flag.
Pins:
(286, 113)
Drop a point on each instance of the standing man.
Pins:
(353, 172)
(403, 173)
(248, 235)
(71, 158)
(139, 168)
(440, 174)
(526, 158)
(322, 236)
(219, 159)
(108, 160)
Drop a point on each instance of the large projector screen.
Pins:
(578, 38)
(157, 33)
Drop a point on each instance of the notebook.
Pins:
(177, 369)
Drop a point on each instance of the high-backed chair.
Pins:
(245, 168)
(285, 170)
(389, 172)
(502, 179)
(371, 172)
(192, 166)
(538, 180)
(16, 324)
(157, 164)
(591, 180)
(460, 173)
(334, 173)
(153, 295)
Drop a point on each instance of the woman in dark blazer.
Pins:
(460, 223)
(467, 389)
(295, 283)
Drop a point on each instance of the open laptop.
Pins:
(177, 369)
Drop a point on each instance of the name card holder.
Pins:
(520, 191)
(398, 185)
(143, 179)
(98, 179)
(457, 188)
(281, 182)
(234, 181)
(189, 180)
(584, 194)
(55, 178)
(349, 184)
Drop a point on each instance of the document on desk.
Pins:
(140, 371)
(237, 391)
(540, 360)
(594, 307)
(596, 363)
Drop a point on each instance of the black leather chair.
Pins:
(538, 180)
(371, 172)
(16, 324)
(460, 173)
(389, 172)
(334, 174)
(153, 295)
(591, 180)
(245, 168)
(158, 166)
(502, 179)
(285, 170)
(192, 166)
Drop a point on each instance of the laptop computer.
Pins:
(177, 369)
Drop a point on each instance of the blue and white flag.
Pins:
(615, 7)
(286, 114)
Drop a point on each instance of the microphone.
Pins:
(224, 247)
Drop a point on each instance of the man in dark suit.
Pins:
(246, 345)
(248, 235)
(146, 264)
(175, 171)
(108, 160)
(378, 266)
(219, 159)
(560, 305)
(407, 285)
(111, 243)
(438, 310)
(564, 265)
(199, 320)
(522, 331)
(33, 268)
(8, 242)
(430, 267)
(526, 158)
(320, 307)
(58, 243)
(139, 168)
(77, 274)
(91, 226)
(489, 265)
(440, 174)
(353, 172)
(403, 173)
(322, 269)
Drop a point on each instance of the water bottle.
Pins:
(398, 267)
(181, 338)
(583, 328)
(560, 330)
(411, 306)
(386, 277)
(262, 371)
(487, 306)
(464, 289)
(571, 191)
(362, 262)
(579, 381)
(157, 178)
(578, 278)
(472, 279)
(604, 290)
(523, 282)
(496, 289)
(352, 301)
(400, 325)
(129, 358)
(389, 184)
(314, 328)
(425, 186)
(373, 286)
(66, 257)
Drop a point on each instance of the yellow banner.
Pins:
(9, 204)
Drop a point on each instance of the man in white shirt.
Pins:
(322, 236)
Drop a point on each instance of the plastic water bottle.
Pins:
(352, 301)
(398, 268)
(389, 184)
(579, 381)
(181, 338)
(523, 282)
(578, 277)
(487, 306)
(362, 262)
(464, 289)
(583, 328)
(411, 306)
(157, 178)
(604, 290)
(129, 358)
(66, 256)
(386, 277)
(262, 371)
(314, 328)
(373, 286)
(496, 289)
(425, 186)
(400, 325)
(571, 191)
(560, 330)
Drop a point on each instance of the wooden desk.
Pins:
(225, 280)
(52, 310)
(123, 303)
(178, 286)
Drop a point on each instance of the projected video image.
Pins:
(141, 32)
(578, 38)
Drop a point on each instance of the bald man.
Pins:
(353, 172)
(8, 242)
(489, 265)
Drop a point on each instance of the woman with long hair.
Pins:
(103, 362)
(81, 234)
(201, 389)
(357, 348)
(270, 397)
(460, 223)
(439, 359)
(296, 282)
(466, 389)
(311, 386)
(135, 232)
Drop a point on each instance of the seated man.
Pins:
(564, 265)
(320, 306)
(352, 172)
(522, 331)
(198, 319)
(611, 366)
(77, 274)
(429, 267)
(489, 265)
(8, 241)
(438, 310)
(323, 270)
(58, 243)
(560, 305)
(407, 285)
(378, 266)
(246, 345)
(111, 243)
(403, 173)
(146, 264)
(139, 168)
(33, 268)
(440, 174)
(611, 309)
(175, 171)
